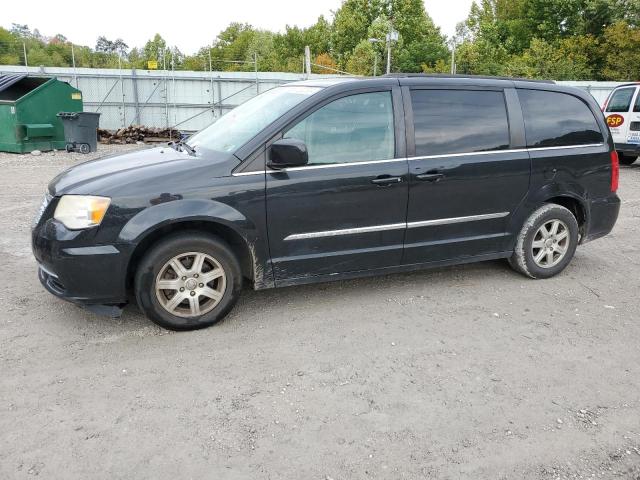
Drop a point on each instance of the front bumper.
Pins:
(75, 270)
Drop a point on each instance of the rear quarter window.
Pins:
(555, 119)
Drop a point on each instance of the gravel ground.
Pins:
(469, 372)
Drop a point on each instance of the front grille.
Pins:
(635, 126)
(41, 209)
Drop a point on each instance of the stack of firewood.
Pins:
(137, 133)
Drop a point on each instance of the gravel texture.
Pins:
(470, 372)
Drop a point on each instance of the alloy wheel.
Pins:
(190, 284)
(550, 243)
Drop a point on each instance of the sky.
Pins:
(188, 26)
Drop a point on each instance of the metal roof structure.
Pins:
(9, 79)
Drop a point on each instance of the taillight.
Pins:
(615, 171)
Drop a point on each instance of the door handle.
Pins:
(386, 180)
(430, 177)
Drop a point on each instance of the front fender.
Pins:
(186, 210)
(149, 220)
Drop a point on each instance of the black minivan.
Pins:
(332, 179)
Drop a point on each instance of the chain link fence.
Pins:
(184, 100)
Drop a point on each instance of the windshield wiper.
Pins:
(181, 145)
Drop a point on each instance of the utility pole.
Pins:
(307, 60)
(388, 55)
(24, 50)
(392, 36)
(255, 69)
(124, 111)
(213, 98)
(453, 56)
(73, 62)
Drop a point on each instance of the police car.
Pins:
(622, 111)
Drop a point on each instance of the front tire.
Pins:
(188, 281)
(626, 159)
(546, 243)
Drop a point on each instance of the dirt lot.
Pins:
(470, 372)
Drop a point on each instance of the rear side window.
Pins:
(459, 121)
(554, 119)
(620, 100)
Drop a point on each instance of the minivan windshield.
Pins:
(241, 124)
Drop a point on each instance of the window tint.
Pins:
(459, 121)
(357, 128)
(553, 119)
(636, 106)
(620, 100)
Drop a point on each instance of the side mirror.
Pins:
(287, 152)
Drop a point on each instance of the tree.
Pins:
(155, 49)
(420, 40)
(362, 59)
(546, 60)
(621, 51)
(326, 62)
(351, 24)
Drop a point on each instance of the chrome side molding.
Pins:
(346, 231)
(448, 221)
(395, 226)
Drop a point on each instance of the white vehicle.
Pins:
(622, 111)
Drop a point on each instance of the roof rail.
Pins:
(446, 75)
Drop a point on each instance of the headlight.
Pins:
(80, 211)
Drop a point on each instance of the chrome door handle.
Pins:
(386, 180)
(430, 177)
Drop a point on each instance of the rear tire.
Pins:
(188, 281)
(626, 159)
(546, 243)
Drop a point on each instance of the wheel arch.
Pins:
(576, 206)
(570, 195)
(238, 244)
(211, 217)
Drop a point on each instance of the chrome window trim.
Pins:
(452, 220)
(422, 157)
(564, 147)
(468, 154)
(334, 165)
(243, 174)
(395, 226)
(510, 150)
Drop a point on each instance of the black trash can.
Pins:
(80, 131)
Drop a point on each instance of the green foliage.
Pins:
(556, 39)
(621, 52)
(362, 59)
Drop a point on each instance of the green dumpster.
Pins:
(28, 109)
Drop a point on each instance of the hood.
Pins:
(104, 175)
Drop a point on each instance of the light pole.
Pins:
(392, 36)
(453, 56)
(375, 56)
